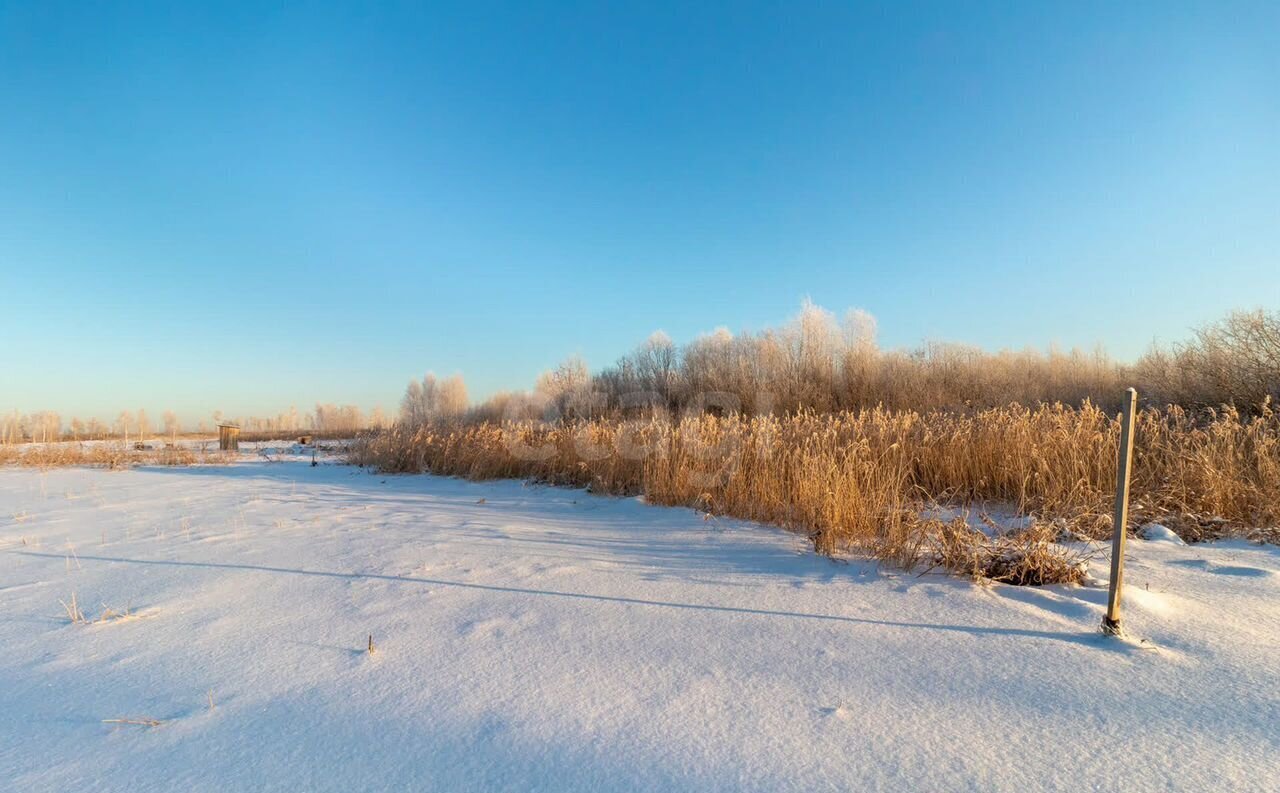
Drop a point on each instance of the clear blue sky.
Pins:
(242, 207)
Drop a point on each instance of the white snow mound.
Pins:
(1155, 532)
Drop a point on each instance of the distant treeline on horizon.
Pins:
(815, 362)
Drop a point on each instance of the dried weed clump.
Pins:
(1027, 557)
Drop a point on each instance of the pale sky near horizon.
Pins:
(241, 208)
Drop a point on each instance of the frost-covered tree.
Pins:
(411, 412)
(432, 399)
(332, 418)
(171, 424)
(451, 400)
(10, 428)
(568, 387)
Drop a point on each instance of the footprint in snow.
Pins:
(1224, 569)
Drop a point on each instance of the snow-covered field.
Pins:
(532, 638)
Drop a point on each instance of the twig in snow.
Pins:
(138, 722)
(73, 610)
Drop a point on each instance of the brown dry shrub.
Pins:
(1029, 557)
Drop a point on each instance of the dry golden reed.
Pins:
(860, 481)
(103, 455)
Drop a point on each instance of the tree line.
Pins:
(822, 363)
(49, 426)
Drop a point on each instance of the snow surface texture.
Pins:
(540, 639)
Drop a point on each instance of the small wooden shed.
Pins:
(228, 437)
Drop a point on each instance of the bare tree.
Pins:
(411, 412)
(332, 418)
(1234, 361)
(567, 387)
(452, 398)
(433, 399)
(171, 425)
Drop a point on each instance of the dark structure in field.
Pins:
(228, 437)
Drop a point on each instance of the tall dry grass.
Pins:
(862, 480)
(102, 455)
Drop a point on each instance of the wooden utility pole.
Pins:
(1120, 516)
